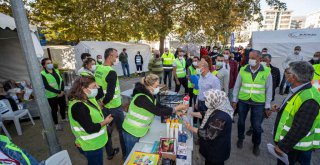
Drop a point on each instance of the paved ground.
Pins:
(33, 141)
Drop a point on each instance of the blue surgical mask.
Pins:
(93, 93)
(49, 66)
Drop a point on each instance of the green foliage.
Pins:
(123, 20)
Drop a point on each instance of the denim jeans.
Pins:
(17, 155)
(93, 157)
(257, 112)
(129, 141)
(118, 117)
(303, 157)
(125, 66)
(167, 74)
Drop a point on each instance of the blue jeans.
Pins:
(303, 157)
(129, 141)
(17, 155)
(257, 112)
(94, 157)
(125, 66)
(118, 117)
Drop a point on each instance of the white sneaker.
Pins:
(58, 127)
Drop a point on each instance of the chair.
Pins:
(61, 158)
(4, 128)
(8, 114)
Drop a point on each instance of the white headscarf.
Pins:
(216, 100)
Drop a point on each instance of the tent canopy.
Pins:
(63, 55)
(13, 63)
(98, 48)
(281, 43)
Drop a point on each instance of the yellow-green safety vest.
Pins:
(89, 142)
(312, 139)
(138, 120)
(181, 68)
(167, 60)
(101, 73)
(86, 73)
(52, 82)
(215, 72)
(253, 89)
(193, 71)
(13, 147)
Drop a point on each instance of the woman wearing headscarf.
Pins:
(215, 130)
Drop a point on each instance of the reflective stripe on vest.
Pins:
(137, 115)
(253, 89)
(311, 140)
(94, 135)
(180, 68)
(138, 120)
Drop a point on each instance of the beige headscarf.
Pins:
(216, 100)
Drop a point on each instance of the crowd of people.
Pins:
(220, 83)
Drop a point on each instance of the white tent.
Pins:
(63, 55)
(98, 48)
(281, 43)
(13, 64)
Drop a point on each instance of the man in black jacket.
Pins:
(275, 72)
(296, 127)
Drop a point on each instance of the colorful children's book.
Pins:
(142, 158)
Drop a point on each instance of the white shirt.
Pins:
(224, 77)
(292, 58)
(206, 83)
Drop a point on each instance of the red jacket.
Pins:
(233, 73)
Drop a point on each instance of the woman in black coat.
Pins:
(215, 130)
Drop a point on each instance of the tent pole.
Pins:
(29, 52)
(49, 54)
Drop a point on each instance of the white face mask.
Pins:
(99, 60)
(215, 51)
(195, 63)
(315, 58)
(156, 90)
(93, 93)
(220, 64)
(252, 62)
(93, 68)
(226, 57)
(180, 57)
(264, 64)
(116, 62)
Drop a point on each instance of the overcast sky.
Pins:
(300, 7)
